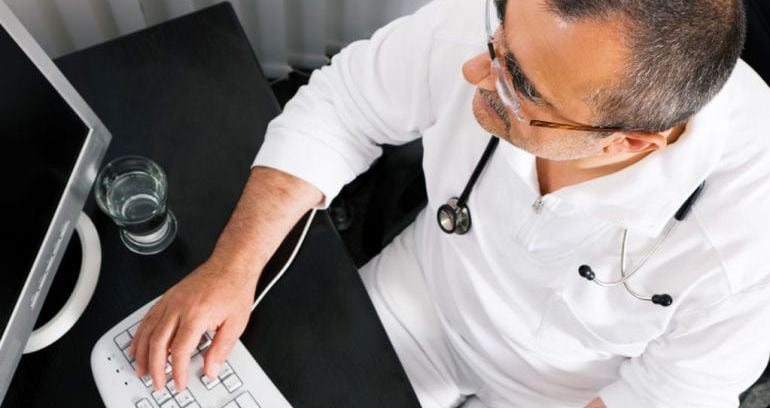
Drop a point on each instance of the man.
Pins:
(645, 100)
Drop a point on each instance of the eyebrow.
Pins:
(514, 70)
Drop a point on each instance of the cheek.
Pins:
(558, 145)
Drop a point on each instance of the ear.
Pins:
(635, 143)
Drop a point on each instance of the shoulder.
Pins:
(735, 208)
(453, 18)
(450, 23)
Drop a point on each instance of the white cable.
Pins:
(289, 261)
(279, 79)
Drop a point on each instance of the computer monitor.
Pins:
(52, 145)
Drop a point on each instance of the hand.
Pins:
(596, 403)
(213, 297)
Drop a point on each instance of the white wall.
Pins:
(283, 33)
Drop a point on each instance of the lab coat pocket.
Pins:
(565, 336)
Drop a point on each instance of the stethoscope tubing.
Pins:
(488, 151)
(456, 212)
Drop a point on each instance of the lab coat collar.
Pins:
(644, 196)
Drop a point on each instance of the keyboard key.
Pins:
(160, 396)
(246, 400)
(184, 398)
(209, 384)
(226, 370)
(169, 404)
(132, 329)
(123, 340)
(194, 404)
(129, 357)
(168, 368)
(144, 403)
(204, 343)
(231, 404)
(232, 383)
(171, 385)
(146, 380)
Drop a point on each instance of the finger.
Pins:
(187, 337)
(220, 348)
(159, 342)
(139, 332)
(150, 316)
(140, 342)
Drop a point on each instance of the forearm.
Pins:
(270, 205)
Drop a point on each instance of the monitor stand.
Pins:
(69, 314)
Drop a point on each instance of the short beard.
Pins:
(498, 107)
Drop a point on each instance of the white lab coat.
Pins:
(508, 301)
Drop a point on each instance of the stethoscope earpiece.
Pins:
(662, 299)
(586, 272)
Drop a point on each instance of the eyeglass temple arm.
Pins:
(582, 128)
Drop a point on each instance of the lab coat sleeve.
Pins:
(374, 92)
(706, 358)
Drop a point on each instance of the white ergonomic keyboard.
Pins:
(240, 384)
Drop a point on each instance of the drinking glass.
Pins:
(131, 190)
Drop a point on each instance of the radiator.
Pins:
(283, 33)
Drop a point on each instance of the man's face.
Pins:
(564, 62)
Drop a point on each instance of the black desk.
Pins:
(190, 95)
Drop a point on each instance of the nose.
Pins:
(478, 71)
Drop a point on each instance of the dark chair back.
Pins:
(757, 54)
(757, 50)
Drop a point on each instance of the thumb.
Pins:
(220, 348)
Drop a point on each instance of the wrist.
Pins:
(241, 263)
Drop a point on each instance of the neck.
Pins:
(553, 175)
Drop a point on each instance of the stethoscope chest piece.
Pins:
(454, 217)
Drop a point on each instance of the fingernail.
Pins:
(215, 367)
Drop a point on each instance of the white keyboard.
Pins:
(240, 384)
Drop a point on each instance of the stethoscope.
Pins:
(454, 217)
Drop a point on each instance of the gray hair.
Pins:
(681, 54)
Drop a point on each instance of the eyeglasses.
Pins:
(510, 96)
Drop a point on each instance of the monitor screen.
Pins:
(41, 137)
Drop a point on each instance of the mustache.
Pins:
(496, 105)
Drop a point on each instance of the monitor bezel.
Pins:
(76, 191)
